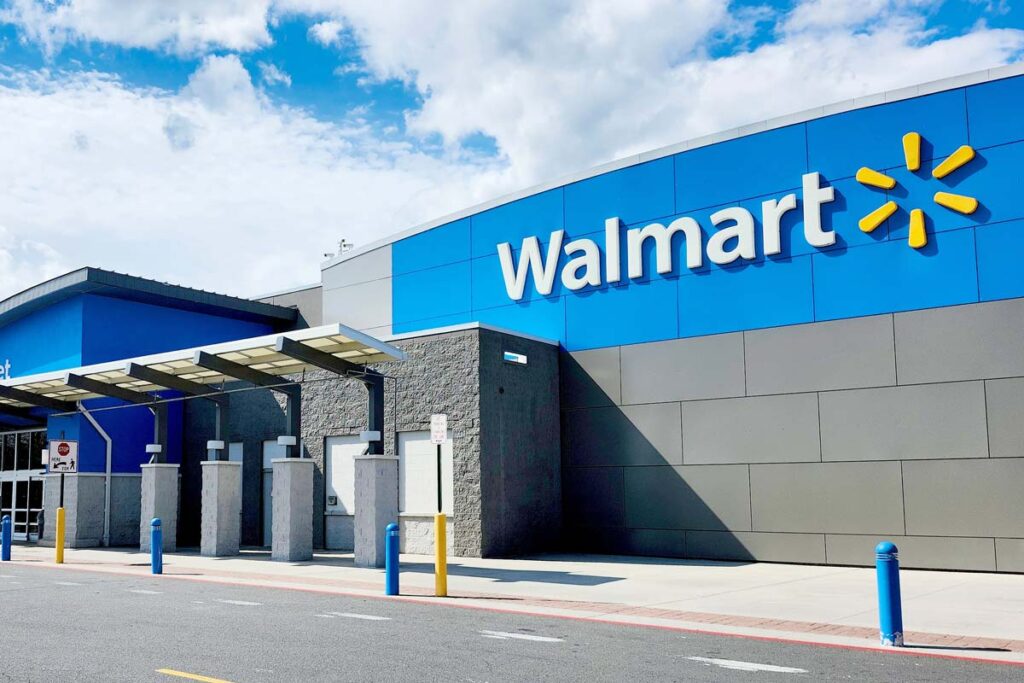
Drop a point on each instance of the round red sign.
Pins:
(63, 449)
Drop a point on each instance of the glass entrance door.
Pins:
(21, 480)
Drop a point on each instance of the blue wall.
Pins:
(119, 328)
(46, 340)
(130, 429)
(451, 274)
(88, 329)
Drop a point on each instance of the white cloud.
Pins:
(326, 32)
(25, 260)
(222, 83)
(837, 14)
(219, 186)
(272, 75)
(213, 187)
(184, 26)
(569, 84)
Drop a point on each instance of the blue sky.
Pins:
(229, 121)
(323, 79)
(330, 81)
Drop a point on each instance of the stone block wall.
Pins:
(83, 509)
(506, 470)
(502, 418)
(441, 375)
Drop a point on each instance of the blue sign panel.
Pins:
(907, 205)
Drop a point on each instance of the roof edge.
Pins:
(463, 327)
(88, 280)
(288, 290)
(884, 97)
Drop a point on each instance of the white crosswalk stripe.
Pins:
(504, 635)
(746, 666)
(366, 617)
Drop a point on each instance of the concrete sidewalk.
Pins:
(945, 613)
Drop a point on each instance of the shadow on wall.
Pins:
(624, 493)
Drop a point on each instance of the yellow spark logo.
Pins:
(912, 153)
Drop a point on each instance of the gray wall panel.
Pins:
(742, 430)
(752, 545)
(933, 552)
(712, 497)
(1010, 555)
(905, 423)
(978, 341)
(309, 303)
(1005, 400)
(827, 497)
(965, 497)
(373, 265)
(593, 496)
(841, 354)
(590, 378)
(807, 443)
(631, 435)
(362, 306)
(655, 542)
(683, 369)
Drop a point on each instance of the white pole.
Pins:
(106, 493)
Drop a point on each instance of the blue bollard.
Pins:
(5, 538)
(391, 559)
(156, 546)
(890, 609)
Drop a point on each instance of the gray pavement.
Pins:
(60, 624)
(961, 608)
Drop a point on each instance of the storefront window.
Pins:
(9, 441)
(35, 494)
(36, 452)
(24, 446)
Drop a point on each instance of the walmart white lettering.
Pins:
(733, 239)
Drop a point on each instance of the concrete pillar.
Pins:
(376, 506)
(159, 499)
(222, 508)
(292, 534)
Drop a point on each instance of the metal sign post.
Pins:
(63, 458)
(439, 479)
(438, 435)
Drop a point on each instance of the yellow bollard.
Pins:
(440, 557)
(59, 540)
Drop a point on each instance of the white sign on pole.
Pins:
(438, 428)
(63, 456)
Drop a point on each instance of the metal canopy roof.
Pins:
(256, 353)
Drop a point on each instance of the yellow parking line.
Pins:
(191, 677)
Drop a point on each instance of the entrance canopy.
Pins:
(259, 360)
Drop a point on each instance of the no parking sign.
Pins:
(438, 429)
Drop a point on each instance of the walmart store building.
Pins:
(780, 343)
